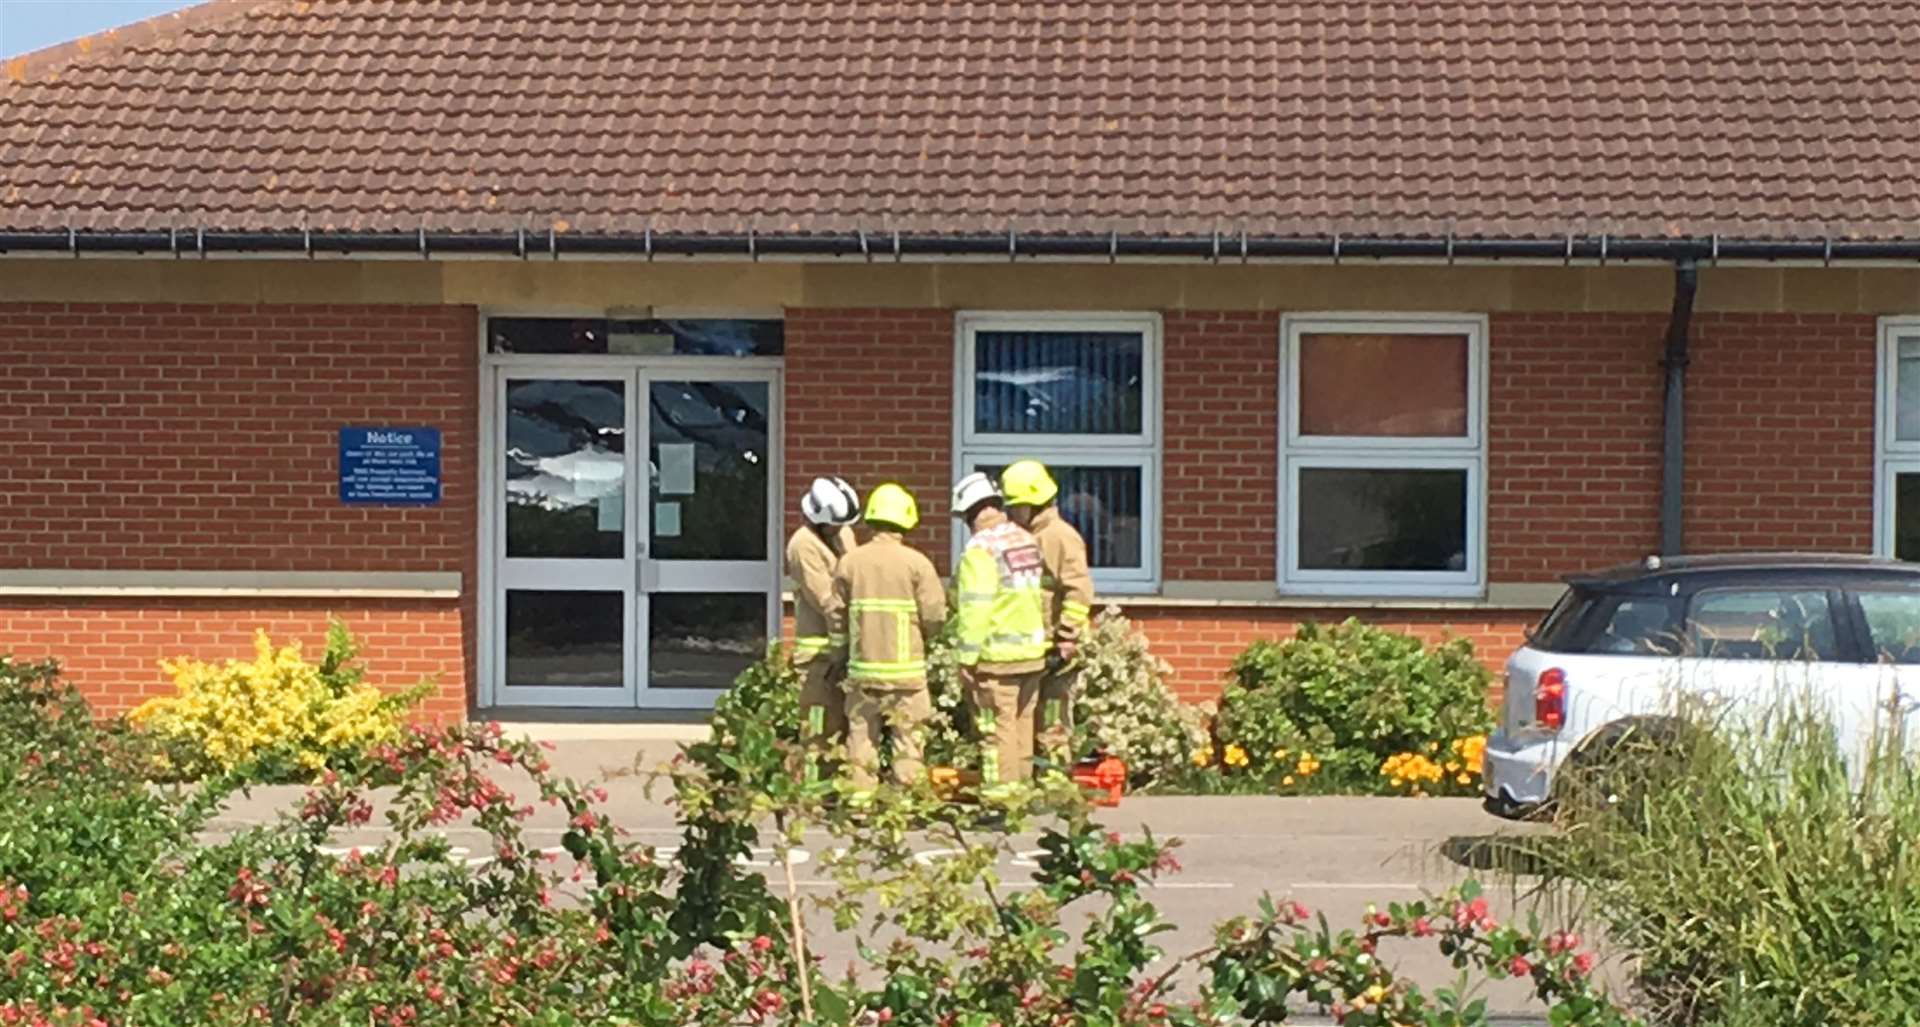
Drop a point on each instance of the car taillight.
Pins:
(1550, 699)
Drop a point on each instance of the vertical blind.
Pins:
(1058, 383)
(1103, 504)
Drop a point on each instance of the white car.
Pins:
(1650, 648)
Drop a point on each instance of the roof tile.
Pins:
(1766, 118)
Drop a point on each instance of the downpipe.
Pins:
(1686, 282)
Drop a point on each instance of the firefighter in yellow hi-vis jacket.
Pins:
(1068, 581)
(813, 552)
(1000, 632)
(889, 604)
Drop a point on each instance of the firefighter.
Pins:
(816, 547)
(1000, 633)
(1068, 582)
(888, 603)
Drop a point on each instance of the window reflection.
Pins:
(1382, 519)
(565, 639)
(704, 639)
(709, 470)
(1058, 383)
(565, 468)
(586, 336)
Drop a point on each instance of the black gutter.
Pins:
(1686, 281)
(881, 246)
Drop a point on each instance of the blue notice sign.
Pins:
(390, 466)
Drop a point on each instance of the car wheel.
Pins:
(1615, 772)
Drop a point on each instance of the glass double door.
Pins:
(634, 542)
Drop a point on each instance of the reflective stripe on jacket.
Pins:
(1002, 609)
(810, 564)
(1069, 580)
(889, 604)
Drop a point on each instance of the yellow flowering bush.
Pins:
(1434, 772)
(1294, 770)
(1355, 696)
(277, 716)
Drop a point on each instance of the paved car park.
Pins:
(1336, 855)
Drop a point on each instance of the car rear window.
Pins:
(1588, 621)
(1893, 620)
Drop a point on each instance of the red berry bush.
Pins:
(122, 903)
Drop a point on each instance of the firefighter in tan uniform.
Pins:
(1068, 582)
(889, 602)
(1000, 631)
(813, 552)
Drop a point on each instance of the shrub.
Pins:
(1124, 708)
(1759, 882)
(273, 926)
(76, 824)
(1333, 705)
(279, 716)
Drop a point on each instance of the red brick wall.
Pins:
(163, 437)
(1220, 472)
(204, 437)
(1780, 433)
(870, 398)
(1573, 444)
(111, 648)
(158, 437)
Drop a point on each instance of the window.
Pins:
(1771, 625)
(1893, 623)
(1596, 622)
(1383, 455)
(1897, 453)
(1082, 395)
(591, 336)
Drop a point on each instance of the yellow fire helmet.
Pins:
(893, 506)
(1027, 483)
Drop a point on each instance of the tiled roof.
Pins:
(1760, 119)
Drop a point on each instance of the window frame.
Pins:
(1891, 457)
(1145, 449)
(1467, 453)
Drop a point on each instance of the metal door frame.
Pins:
(637, 374)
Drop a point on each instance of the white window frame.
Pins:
(1466, 453)
(1142, 450)
(1891, 457)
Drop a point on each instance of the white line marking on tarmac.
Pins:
(1365, 885)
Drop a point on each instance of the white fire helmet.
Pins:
(830, 501)
(971, 491)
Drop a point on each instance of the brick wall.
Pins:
(163, 437)
(204, 437)
(1220, 483)
(111, 648)
(1780, 433)
(870, 398)
(1573, 442)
